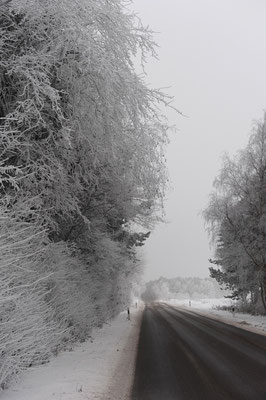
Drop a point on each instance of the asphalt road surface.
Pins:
(186, 356)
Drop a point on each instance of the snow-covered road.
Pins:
(101, 368)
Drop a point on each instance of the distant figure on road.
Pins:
(189, 303)
(128, 314)
(234, 311)
(136, 304)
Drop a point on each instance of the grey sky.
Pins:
(212, 55)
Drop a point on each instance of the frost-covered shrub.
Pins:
(50, 294)
(83, 292)
(28, 335)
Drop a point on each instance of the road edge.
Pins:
(121, 382)
(246, 326)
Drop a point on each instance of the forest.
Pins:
(82, 170)
(182, 288)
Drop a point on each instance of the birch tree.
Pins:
(237, 218)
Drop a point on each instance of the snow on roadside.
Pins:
(256, 323)
(203, 304)
(101, 368)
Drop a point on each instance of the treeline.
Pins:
(181, 288)
(236, 217)
(81, 162)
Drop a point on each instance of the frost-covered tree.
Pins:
(236, 216)
(180, 288)
(81, 132)
(81, 164)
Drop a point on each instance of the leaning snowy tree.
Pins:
(81, 163)
(236, 216)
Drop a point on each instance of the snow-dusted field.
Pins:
(252, 322)
(203, 304)
(101, 368)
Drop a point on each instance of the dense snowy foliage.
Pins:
(82, 142)
(237, 220)
(181, 288)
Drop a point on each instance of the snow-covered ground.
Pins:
(101, 368)
(256, 323)
(203, 304)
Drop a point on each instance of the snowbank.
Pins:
(101, 368)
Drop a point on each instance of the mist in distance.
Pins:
(211, 60)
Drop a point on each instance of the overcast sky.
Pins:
(212, 55)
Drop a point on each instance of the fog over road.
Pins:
(183, 355)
